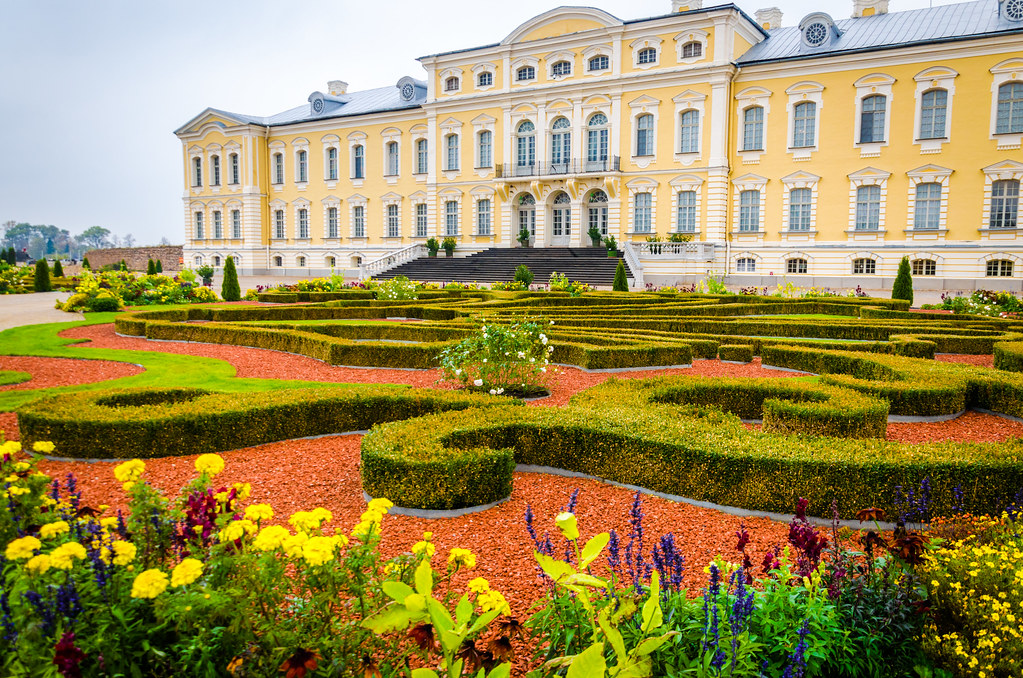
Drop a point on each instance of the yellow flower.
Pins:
(128, 485)
(258, 512)
(479, 585)
(492, 600)
(129, 470)
(63, 557)
(22, 466)
(210, 464)
(380, 505)
(270, 538)
(124, 552)
(459, 558)
(318, 550)
(424, 547)
(307, 521)
(36, 565)
(366, 530)
(149, 584)
(22, 549)
(242, 490)
(108, 522)
(293, 544)
(16, 491)
(53, 529)
(237, 529)
(43, 447)
(186, 572)
(567, 525)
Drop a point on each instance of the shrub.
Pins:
(621, 283)
(449, 245)
(523, 275)
(159, 266)
(206, 273)
(103, 302)
(903, 285)
(151, 267)
(1009, 356)
(85, 264)
(432, 246)
(611, 244)
(498, 359)
(42, 277)
(398, 288)
(741, 354)
(230, 290)
(58, 270)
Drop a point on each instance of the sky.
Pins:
(91, 92)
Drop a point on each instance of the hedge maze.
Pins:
(822, 437)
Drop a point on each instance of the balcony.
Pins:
(568, 168)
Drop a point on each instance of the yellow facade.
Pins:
(828, 162)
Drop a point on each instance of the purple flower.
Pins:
(614, 556)
(797, 660)
(68, 657)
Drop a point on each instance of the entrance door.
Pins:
(561, 221)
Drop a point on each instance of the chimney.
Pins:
(863, 8)
(768, 18)
(337, 87)
(685, 5)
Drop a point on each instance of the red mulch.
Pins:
(52, 372)
(975, 360)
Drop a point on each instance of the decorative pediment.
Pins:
(688, 97)
(391, 197)
(561, 21)
(929, 171)
(750, 180)
(418, 196)
(559, 105)
(686, 181)
(874, 80)
(869, 173)
(212, 119)
(935, 73)
(1008, 66)
(641, 182)
(644, 102)
(1004, 166)
(805, 87)
(800, 178)
(451, 124)
(751, 93)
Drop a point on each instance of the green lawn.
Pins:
(10, 377)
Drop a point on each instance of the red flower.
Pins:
(297, 664)
(423, 636)
(68, 657)
(873, 513)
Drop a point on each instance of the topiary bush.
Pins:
(621, 282)
(42, 277)
(229, 290)
(85, 263)
(524, 275)
(58, 270)
(151, 267)
(159, 266)
(903, 286)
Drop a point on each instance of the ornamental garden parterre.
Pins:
(899, 559)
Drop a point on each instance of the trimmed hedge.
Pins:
(735, 352)
(146, 423)
(1009, 356)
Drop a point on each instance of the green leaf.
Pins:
(614, 636)
(424, 578)
(393, 618)
(593, 549)
(398, 591)
(555, 569)
(502, 671)
(483, 621)
(440, 617)
(649, 645)
(424, 673)
(589, 663)
(580, 579)
(652, 615)
(637, 667)
(463, 611)
(451, 640)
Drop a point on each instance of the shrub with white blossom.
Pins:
(501, 359)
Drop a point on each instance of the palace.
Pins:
(824, 151)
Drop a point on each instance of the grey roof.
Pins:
(886, 31)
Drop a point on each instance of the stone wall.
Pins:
(137, 258)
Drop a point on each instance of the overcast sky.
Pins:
(91, 92)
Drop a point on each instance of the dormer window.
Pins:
(816, 34)
(817, 30)
(525, 73)
(561, 69)
(451, 84)
(1013, 10)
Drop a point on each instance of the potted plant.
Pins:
(681, 237)
(432, 246)
(524, 237)
(449, 245)
(654, 248)
(595, 236)
(206, 273)
(612, 246)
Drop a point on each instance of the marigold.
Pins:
(380, 505)
(37, 565)
(63, 557)
(43, 446)
(124, 552)
(292, 544)
(479, 585)
(210, 464)
(53, 529)
(258, 512)
(307, 521)
(22, 549)
(424, 547)
(186, 572)
(459, 558)
(237, 529)
(270, 538)
(318, 550)
(129, 471)
(149, 584)
(242, 490)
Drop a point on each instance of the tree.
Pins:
(85, 263)
(11, 256)
(50, 247)
(151, 268)
(230, 290)
(58, 270)
(903, 286)
(621, 283)
(129, 240)
(42, 282)
(159, 265)
(164, 241)
(124, 265)
(94, 237)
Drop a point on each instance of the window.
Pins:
(216, 261)
(749, 211)
(486, 149)
(804, 120)
(198, 226)
(924, 267)
(451, 84)
(198, 261)
(303, 167)
(332, 226)
(358, 221)
(421, 220)
(215, 170)
(746, 265)
(485, 79)
(799, 209)
(1004, 204)
(392, 158)
(647, 55)
(795, 266)
(561, 68)
(278, 168)
(872, 119)
(451, 217)
(599, 63)
(561, 144)
(753, 129)
(596, 138)
(686, 212)
(645, 134)
(525, 144)
(422, 157)
(933, 105)
(525, 73)
(1010, 108)
(303, 224)
(279, 224)
(692, 50)
(864, 267)
(999, 268)
(235, 168)
(359, 162)
(301, 262)
(644, 203)
(483, 217)
(689, 132)
(218, 225)
(393, 227)
(927, 212)
(236, 224)
(452, 146)
(197, 171)
(598, 211)
(332, 262)
(868, 208)
(332, 164)
(278, 261)
(561, 216)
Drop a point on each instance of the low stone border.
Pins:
(436, 514)
(612, 370)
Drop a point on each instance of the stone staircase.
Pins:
(590, 265)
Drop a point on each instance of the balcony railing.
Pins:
(687, 251)
(389, 261)
(548, 169)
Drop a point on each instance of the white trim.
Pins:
(935, 77)
(646, 42)
(869, 85)
(1010, 70)
(747, 98)
(692, 35)
(688, 101)
(804, 91)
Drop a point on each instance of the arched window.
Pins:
(753, 129)
(1010, 108)
(216, 260)
(525, 73)
(795, 266)
(598, 211)
(749, 211)
(868, 208)
(1004, 204)
(451, 142)
(359, 162)
(647, 55)
(422, 157)
(215, 170)
(451, 84)
(598, 63)
(596, 140)
(924, 267)
(561, 216)
(933, 107)
(392, 158)
(999, 268)
(303, 167)
(799, 209)
(872, 119)
(692, 50)
(235, 168)
(527, 214)
(197, 171)
(864, 267)
(332, 164)
(278, 261)
(686, 212)
(485, 79)
(279, 233)
(645, 134)
(689, 132)
(746, 265)
(278, 168)
(525, 144)
(485, 157)
(927, 207)
(561, 68)
(804, 122)
(561, 145)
